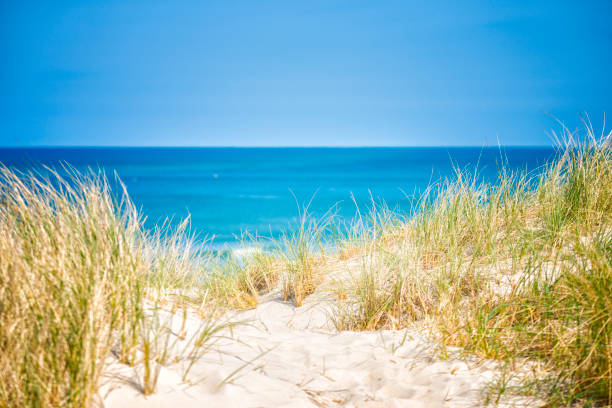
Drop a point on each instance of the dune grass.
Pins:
(77, 275)
(70, 262)
(302, 253)
(517, 270)
(238, 281)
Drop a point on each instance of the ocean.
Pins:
(227, 191)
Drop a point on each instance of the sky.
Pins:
(300, 73)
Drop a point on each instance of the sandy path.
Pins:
(292, 357)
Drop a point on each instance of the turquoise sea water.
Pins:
(229, 190)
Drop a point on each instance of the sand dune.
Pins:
(283, 356)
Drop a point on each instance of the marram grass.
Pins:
(70, 263)
(77, 275)
(518, 270)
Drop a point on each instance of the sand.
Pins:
(287, 356)
(280, 355)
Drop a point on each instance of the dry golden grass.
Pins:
(516, 270)
(520, 269)
(238, 282)
(76, 273)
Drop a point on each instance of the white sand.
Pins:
(292, 357)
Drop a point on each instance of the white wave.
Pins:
(245, 252)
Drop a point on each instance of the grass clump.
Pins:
(379, 296)
(69, 266)
(558, 309)
(237, 282)
(516, 270)
(77, 275)
(302, 252)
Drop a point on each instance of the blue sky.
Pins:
(311, 73)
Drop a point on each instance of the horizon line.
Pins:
(263, 147)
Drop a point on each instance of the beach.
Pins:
(316, 204)
(486, 294)
(280, 355)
